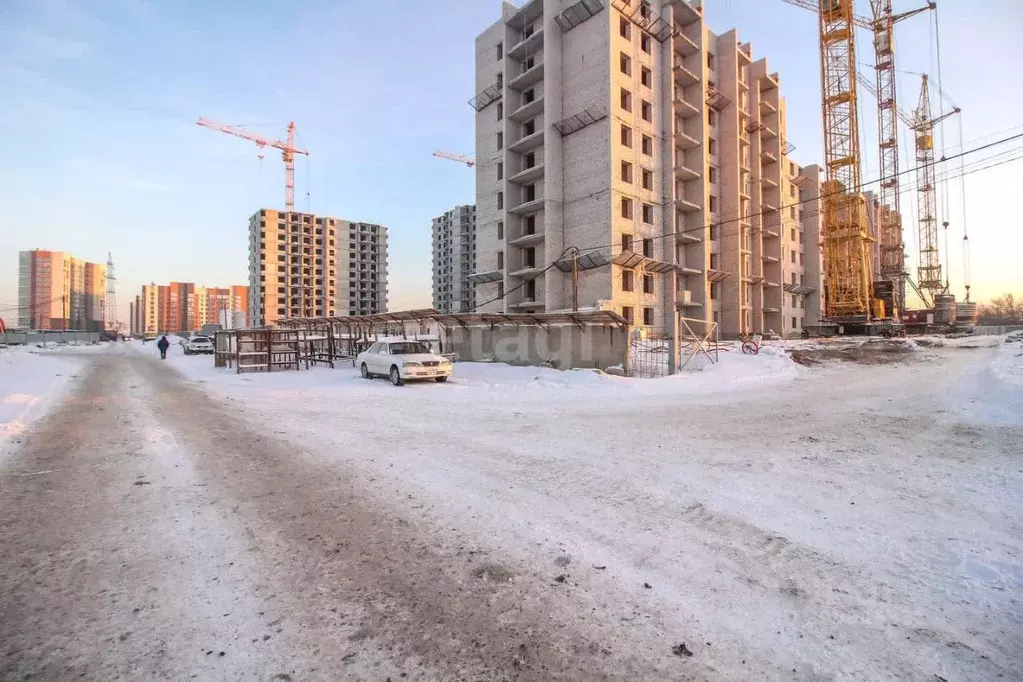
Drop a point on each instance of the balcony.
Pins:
(527, 175)
(683, 76)
(527, 78)
(685, 141)
(527, 110)
(768, 107)
(526, 303)
(485, 276)
(526, 207)
(685, 13)
(769, 182)
(526, 143)
(690, 235)
(770, 259)
(767, 156)
(769, 205)
(684, 172)
(768, 309)
(686, 205)
(527, 45)
(769, 233)
(684, 45)
(771, 285)
(527, 239)
(768, 81)
(768, 133)
(685, 108)
(686, 270)
(527, 272)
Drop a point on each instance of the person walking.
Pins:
(163, 344)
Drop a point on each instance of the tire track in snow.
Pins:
(361, 580)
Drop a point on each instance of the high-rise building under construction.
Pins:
(629, 158)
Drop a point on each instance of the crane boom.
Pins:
(814, 6)
(846, 237)
(451, 156)
(288, 151)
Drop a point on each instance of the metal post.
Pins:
(575, 280)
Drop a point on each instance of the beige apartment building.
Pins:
(303, 265)
(627, 142)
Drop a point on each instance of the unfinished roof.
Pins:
(578, 318)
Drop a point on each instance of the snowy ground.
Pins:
(32, 381)
(839, 521)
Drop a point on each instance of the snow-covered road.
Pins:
(839, 522)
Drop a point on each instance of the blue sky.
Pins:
(101, 152)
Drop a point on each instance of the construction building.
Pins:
(184, 307)
(629, 158)
(303, 265)
(454, 259)
(58, 291)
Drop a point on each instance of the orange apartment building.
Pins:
(58, 291)
(185, 307)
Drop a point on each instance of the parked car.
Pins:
(198, 344)
(402, 361)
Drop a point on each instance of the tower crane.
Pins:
(451, 156)
(922, 126)
(890, 220)
(846, 237)
(929, 270)
(288, 151)
(882, 24)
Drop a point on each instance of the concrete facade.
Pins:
(651, 150)
(454, 259)
(303, 265)
(362, 269)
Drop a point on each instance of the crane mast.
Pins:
(846, 237)
(929, 269)
(889, 233)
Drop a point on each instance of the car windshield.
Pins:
(408, 348)
(200, 339)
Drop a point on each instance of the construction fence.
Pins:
(590, 339)
(41, 337)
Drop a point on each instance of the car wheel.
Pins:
(441, 380)
(396, 376)
(365, 371)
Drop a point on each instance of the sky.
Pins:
(100, 151)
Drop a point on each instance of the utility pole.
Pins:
(575, 280)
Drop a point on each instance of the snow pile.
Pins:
(500, 375)
(30, 383)
(1007, 366)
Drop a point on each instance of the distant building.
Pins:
(183, 307)
(454, 259)
(303, 265)
(58, 291)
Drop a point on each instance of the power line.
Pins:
(719, 223)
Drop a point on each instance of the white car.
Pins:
(198, 344)
(402, 361)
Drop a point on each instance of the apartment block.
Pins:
(303, 265)
(454, 259)
(362, 270)
(58, 291)
(184, 307)
(624, 155)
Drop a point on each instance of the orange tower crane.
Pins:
(288, 151)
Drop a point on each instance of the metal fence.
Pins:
(48, 337)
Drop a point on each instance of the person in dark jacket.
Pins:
(163, 344)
